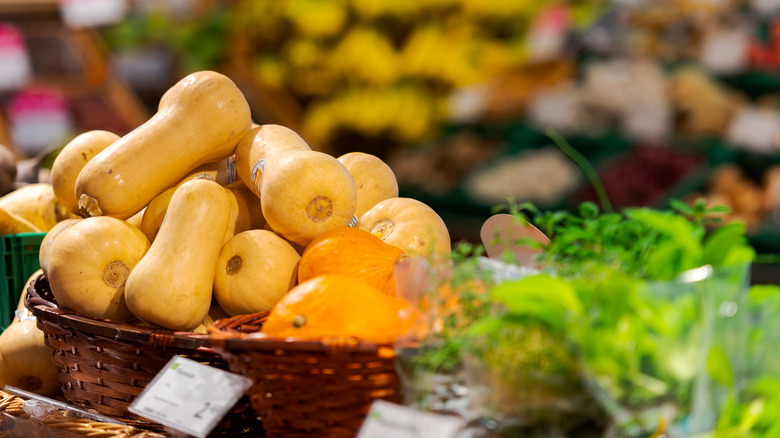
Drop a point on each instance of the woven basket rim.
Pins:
(50, 311)
(222, 337)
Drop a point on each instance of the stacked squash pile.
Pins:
(199, 214)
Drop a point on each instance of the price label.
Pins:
(23, 315)
(389, 420)
(189, 396)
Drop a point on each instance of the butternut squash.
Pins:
(250, 212)
(89, 263)
(37, 204)
(374, 179)
(200, 120)
(245, 211)
(135, 220)
(410, 225)
(171, 286)
(255, 269)
(43, 253)
(305, 193)
(215, 313)
(25, 359)
(223, 172)
(71, 159)
(13, 224)
(154, 213)
(258, 145)
(230, 230)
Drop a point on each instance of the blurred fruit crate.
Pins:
(20, 261)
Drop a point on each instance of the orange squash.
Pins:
(339, 307)
(351, 252)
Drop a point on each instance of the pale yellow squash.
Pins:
(13, 224)
(71, 159)
(410, 225)
(223, 172)
(374, 179)
(37, 204)
(258, 145)
(215, 313)
(250, 212)
(154, 214)
(89, 263)
(135, 220)
(298, 248)
(56, 231)
(200, 120)
(255, 269)
(245, 210)
(171, 286)
(305, 193)
(25, 359)
(230, 231)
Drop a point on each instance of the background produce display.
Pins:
(456, 123)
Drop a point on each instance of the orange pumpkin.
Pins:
(338, 307)
(352, 252)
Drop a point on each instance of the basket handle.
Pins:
(31, 297)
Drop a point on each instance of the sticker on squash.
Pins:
(57, 233)
(257, 175)
(231, 170)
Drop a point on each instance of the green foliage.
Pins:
(612, 293)
(754, 410)
(198, 42)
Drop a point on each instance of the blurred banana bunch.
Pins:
(384, 68)
(405, 112)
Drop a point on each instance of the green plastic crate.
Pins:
(20, 261)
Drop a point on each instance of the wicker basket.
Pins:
(104, 365)
(59, 423)
(307, 388)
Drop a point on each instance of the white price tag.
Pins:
(389, 420)
(23, 315)
(189, 396)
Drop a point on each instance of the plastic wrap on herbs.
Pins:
(752, 406)
(662, 325)
(457, 370)
(663, 355)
